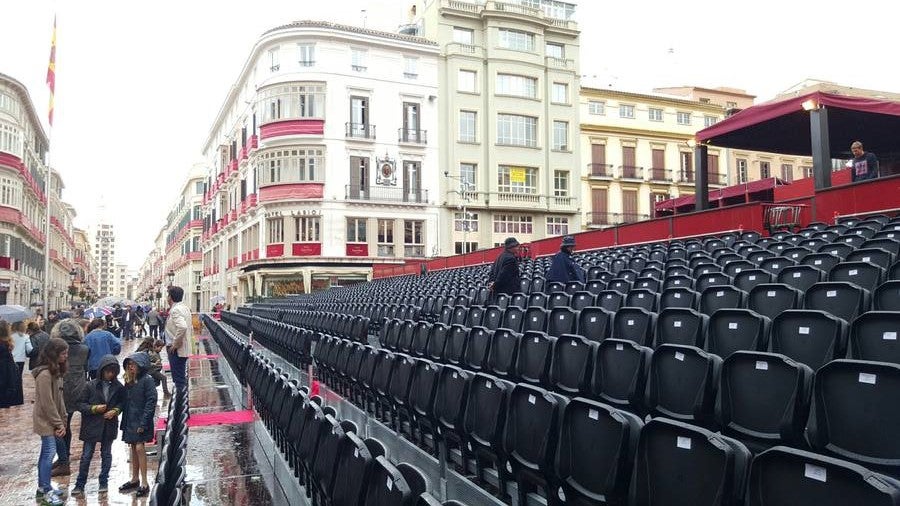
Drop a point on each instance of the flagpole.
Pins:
(51, 83)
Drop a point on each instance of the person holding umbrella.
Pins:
(10, 378)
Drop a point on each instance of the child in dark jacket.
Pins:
(137, 424)
(100, 406)
(152, 347)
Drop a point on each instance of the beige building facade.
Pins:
(637, 149)
(509, 159)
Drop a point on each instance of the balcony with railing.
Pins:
(391, 194)
(412, 136)
(659, 175)
(600, 170)
(458, 48)
(511, 200)
(714, 178)
(611, 219)
(359, 131)
(631, 172)
(560, 63)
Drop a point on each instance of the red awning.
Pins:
(783, 126)
(752, 187)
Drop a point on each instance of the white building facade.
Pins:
(509, 106)
(323, 161)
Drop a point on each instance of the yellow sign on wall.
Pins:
(517, 175)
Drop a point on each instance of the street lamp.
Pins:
(171, 276)
(465, 193)
(72, 289)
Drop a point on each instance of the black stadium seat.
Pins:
(855, 414)
(682, 384)
(873, 336)
(620, 374)
(601, 475)
(783, 476)
(764, 399)
(671, 457)
(809, 336)
(681, 326)
(732, 330)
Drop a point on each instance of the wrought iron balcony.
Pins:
(412, 136)
(359, 130)
(659, 174)
(631, 172)
(600, 170)
(610, 219)
(386, 194)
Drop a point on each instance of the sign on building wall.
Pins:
(517, 175)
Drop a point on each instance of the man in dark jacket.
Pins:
(504, 276)
(74, 383)
(563, 269)
(100, 406)
(39, 339)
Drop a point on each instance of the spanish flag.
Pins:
(51, 72)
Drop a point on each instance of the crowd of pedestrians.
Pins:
(76, 370)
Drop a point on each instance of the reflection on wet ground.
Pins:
(221, 467)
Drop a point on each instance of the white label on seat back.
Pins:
(593, 414)
(720, 294)
(532, 399)
(738, 270)
(817, 473)
(512, 316)
(831, 293)
(865, 377)
(762, 365)
(797, 274)
(817, 262)
(593, 319)
(573, 343)
(770, 293)
(677, 295)
(620, 346)
(390, 484)
(684, 442)
(630, 323)
(537, 339)
(679, 356)
(676, 324)
(866, 259)
(775, 266)
(640, 296)
(803, 330)
(561, 317)
(889, 336)
(455, 375)
(732, 325)
(534, 318)
(356, 453)
(752, 277)
(852, 272)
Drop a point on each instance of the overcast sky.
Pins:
(139, 83)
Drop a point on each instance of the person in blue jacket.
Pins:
(137, 421)
(563, 268)
(101, 342)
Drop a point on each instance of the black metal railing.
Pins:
(607, 219)
(386, 194)
(413, 136)
(600, 170)
(359, 130)
(631, 172)
(659, 174)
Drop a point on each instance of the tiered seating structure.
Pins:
(732, 369)
(170, 476)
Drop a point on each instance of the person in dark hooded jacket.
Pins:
(562, 268)
(74, 383)
(100, 406)
(137, 423)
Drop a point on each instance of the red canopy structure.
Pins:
(784, 126)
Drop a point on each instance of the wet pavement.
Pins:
(221, 467)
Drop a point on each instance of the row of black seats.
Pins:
(334, 464)
(537, 437)
(170, 476)
(872, 334)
